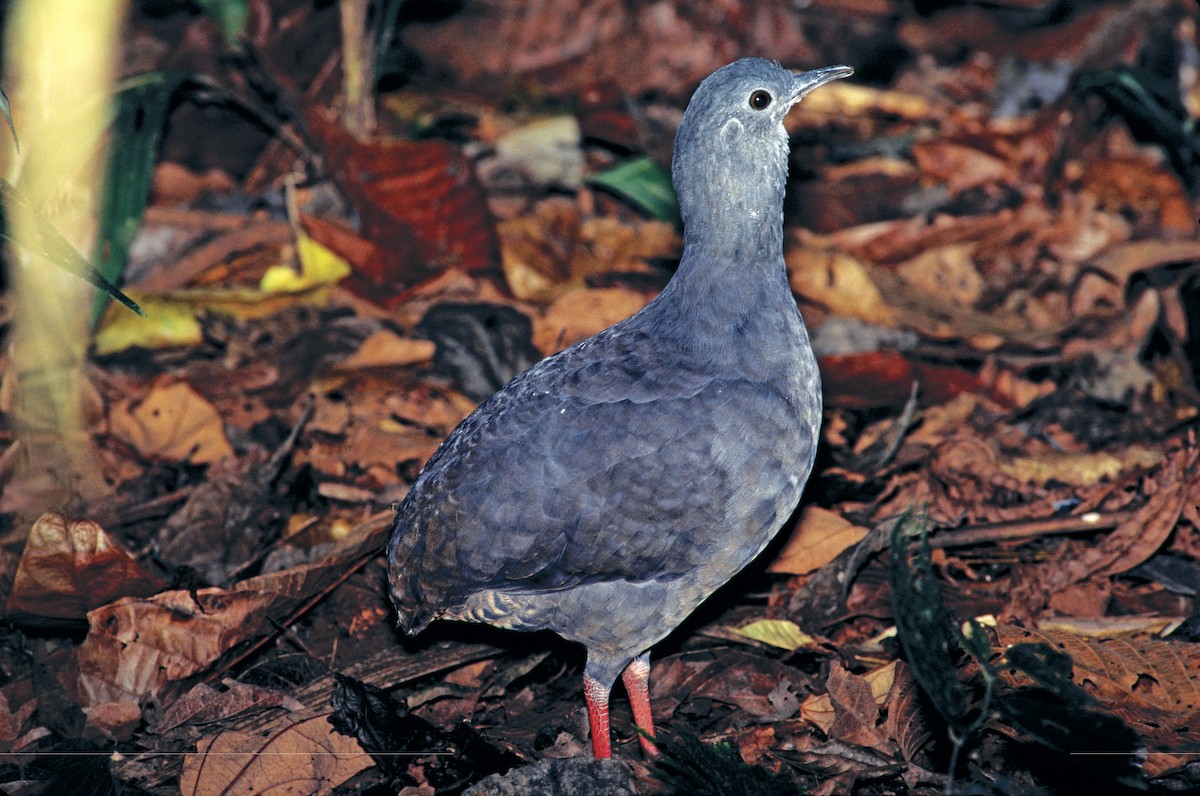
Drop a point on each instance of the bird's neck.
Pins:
(729, 290)
(732, 262)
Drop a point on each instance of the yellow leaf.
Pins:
(165, 324)
(173, 318)
(318, 266)
(1079, 469)
(820, 537)
(777, 633)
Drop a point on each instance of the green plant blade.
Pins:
(644, 184)
(7, 109)
(140, 111)
(230, 16)
(53, 246)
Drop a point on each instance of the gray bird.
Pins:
(611, 488)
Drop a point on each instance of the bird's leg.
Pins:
(596, 694)
(637, 682)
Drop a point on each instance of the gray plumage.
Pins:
(608, 490)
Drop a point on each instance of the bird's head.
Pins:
(731, 150)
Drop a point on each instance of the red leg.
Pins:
(637, 683)
(597, 705)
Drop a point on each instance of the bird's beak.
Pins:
(807, 81)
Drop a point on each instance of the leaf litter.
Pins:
(999, 267)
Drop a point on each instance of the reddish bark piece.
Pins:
(370, 261)
(418, 202)
(885, 378)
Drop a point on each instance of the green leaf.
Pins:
(644, 184)
(230, 16)
(140, 111)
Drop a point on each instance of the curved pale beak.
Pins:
(807, 81)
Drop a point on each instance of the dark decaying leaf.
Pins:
(398, 739)
(688, 765)
(932, 651)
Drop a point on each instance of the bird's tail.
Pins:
(408, 597)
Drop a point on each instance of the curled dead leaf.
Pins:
(68, 568)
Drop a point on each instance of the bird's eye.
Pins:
(760, 99)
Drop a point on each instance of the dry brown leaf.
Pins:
(172, 423)
(136, 646)
(764, 688)
(386, 424)
(537, 250)
(305, 756)
(819, 537)
(960, 166)
(1136, 187)
(839, 282)
(892, 242)
(385, 348)
(579, 314)
(948, 272)
(112, 721)
(15, 723)
(1146, 530)
(1122, 262)
(204, 704)
(821, 710)
(70, 567)
(856, 709)
(1153, 685)
(906, 723)
(554, 250)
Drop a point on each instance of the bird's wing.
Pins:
(612, 463)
